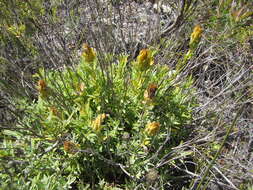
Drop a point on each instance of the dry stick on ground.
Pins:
(217, 153)
(224, 90)
(232, 186)
(198, 177)
(223, 176)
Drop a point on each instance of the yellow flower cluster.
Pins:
(80, 87)
(88, 53)
(196, 35)
(70, 147)
(145, 59)
(149, 94)
(55, 112)
(97, 123)
(152, 128)
(42, 88)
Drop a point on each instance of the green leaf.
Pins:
(11, 133)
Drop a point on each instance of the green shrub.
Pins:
(99, 123)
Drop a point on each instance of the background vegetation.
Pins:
(113, 94)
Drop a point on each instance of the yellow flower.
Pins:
(70, 147)
(152, 128)
(42, 88)
(80, 87)
(55, 111)
(88, 53)
(196, 34)
(149, 94)
(145, 59)
(97, 123)
(42, 85)
(146, 142)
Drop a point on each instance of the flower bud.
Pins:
(145, 59)
(55, 112)
(196, 35)
(70, 147)
(88, 53)
(97, 123)
(80, 87)
(152, 128)
(149, 94)
(42, 88)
